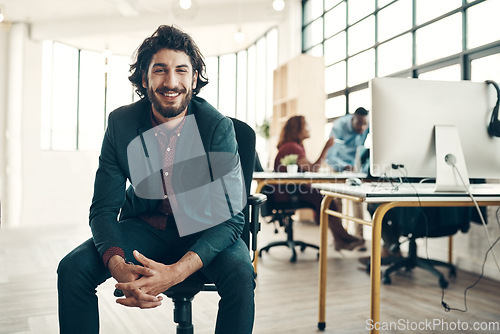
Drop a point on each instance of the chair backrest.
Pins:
(292, 203)
(245, 137)
(258, 166)
(431, 222)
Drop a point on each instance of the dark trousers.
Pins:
(82, 270)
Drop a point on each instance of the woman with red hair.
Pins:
(290, 141)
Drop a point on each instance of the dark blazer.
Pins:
(112, 202)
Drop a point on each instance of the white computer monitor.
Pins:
(403, 120)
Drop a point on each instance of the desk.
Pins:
(264, 178)
(408, 195)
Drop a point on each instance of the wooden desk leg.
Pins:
(323, 252)
(255, 260)
(375, 265)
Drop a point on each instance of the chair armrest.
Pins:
(257, 199)
(254, 203)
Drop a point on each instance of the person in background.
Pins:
(294, 132)
(350, 132)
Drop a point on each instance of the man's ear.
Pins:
(144, 81)
(195, 79)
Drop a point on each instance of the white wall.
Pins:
(3, 106)
(54, 187)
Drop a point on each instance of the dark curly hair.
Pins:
(166, 37)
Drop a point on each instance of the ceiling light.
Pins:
(239, 36)
(185, 4)
(107, 53)
(2, 15)
(279, 5)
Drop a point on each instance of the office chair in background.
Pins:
(429, 222)
(183, 293)
(281, 213)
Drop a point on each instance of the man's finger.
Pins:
(142, 259)
(129, 286)
(143, 271)
(144, 296)
(132, 302)
(132, 289)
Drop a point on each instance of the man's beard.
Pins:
(169, 111)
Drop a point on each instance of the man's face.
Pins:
(359, 124)
(170, 82)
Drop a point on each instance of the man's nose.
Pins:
(170, 80)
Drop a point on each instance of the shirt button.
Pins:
(166, 173)
(178, 135)
(165, 196)
(156, 134)
(168, 149)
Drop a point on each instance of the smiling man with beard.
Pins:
(143, 236)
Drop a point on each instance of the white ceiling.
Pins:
(121, 25)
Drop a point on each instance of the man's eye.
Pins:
(160, 70)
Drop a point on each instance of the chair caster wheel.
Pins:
(302, 248)
(452, 273)
(386, 280)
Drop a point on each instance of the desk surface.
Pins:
(307, 175)
(377, 192)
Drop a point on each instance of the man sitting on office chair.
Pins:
(165, 140)
(350, 132)
(294, 132)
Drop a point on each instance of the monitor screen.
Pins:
(402, 124)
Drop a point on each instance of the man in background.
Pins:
(350, 132)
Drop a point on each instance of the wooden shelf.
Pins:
(299, 89)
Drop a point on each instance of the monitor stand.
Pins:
(450, 160)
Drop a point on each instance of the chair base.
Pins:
(182, 295)
(286, 220)
(290, 244)
(183, 315)
(413, 261)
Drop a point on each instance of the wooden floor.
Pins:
(286, 293)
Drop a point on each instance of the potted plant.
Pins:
(290, 161)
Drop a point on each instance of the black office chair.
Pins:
(183, 293)
(281, 213)
(430, 222)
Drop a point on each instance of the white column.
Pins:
(3, 106)
(12, 192)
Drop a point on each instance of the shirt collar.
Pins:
(157, 126)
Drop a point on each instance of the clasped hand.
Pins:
(142, 285)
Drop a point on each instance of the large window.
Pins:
(81, 87)
(429, 39)
(241, 83)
